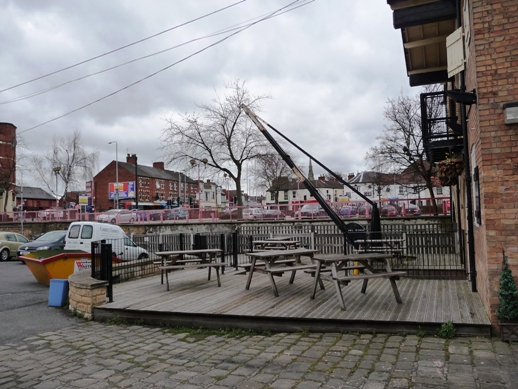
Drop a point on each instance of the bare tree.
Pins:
(220, 133)
(380, 179)
(69, 161)
(401, 146)
(272, 173)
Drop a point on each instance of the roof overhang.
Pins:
(424, 26)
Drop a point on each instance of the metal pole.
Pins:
(116, 176)
(116, 192)
(199, 194)
(22, 207)
(56, 172)
(136, 182)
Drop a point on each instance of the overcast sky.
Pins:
(330, 67)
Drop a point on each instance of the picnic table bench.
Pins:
(277, 262)
(362, 263)
(388, 245)
(182, 259)
(275, 244)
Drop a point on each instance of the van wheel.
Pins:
(4, 255)
(112, 221)
(143, 256)
(132, 220)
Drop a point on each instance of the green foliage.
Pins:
(421, 333)
(447, 330)
(508, 296)
(116, 321)
(197, 334)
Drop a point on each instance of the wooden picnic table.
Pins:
(277, 262)
(362, 263)
(193, 259)
(388, 245)
(275, 244)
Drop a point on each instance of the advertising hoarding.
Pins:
(126, 190)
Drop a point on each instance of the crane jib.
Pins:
(375, 224)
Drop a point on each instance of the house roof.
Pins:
(294, 184)
(373, 177)
(30, 192)
(424, 26)
(152, 172)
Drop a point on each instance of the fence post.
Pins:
(93, 260)
(234, 248)
(182, 244)
(250, 244)
(106, 268)
(222, 247)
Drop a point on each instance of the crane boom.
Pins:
(375, 221)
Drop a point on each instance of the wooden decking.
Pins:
(193, 301)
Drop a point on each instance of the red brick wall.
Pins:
(7, 153)
(493, 71)
(148, 188)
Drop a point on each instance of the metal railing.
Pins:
(353, 209)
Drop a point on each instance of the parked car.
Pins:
(9, 243)
(178, 213)
(159, 214)
(52, 213)
(413, 209)
(362, 209)
(273, 214)
(229, 213)
(311, 210)
(253, 213)
(117, 216)
(53, 240)
(389, 211)
(347, 210)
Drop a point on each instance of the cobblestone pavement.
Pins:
(98, 355)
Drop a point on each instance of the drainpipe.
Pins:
(467, 174)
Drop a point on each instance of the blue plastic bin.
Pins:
(58, 293)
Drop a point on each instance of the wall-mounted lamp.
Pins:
(511, 113)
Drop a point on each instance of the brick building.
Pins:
(150, 183)
(471, 47)
(7, 166)
(34, 199)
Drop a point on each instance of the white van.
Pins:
(80, 235)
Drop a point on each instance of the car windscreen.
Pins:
(51, 236)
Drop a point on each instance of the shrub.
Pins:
(508, 296)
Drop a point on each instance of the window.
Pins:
(285, 195)
(74, 232)
(272, 196)
(401, 190)
(294, 195)
(439, 190)
(87, 232)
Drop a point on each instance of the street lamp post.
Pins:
(56, 171)
(193, 163)
(116, 193)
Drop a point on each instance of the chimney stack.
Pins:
(158, 165)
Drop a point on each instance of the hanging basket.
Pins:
(449, 170)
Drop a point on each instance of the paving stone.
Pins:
(140, 357)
